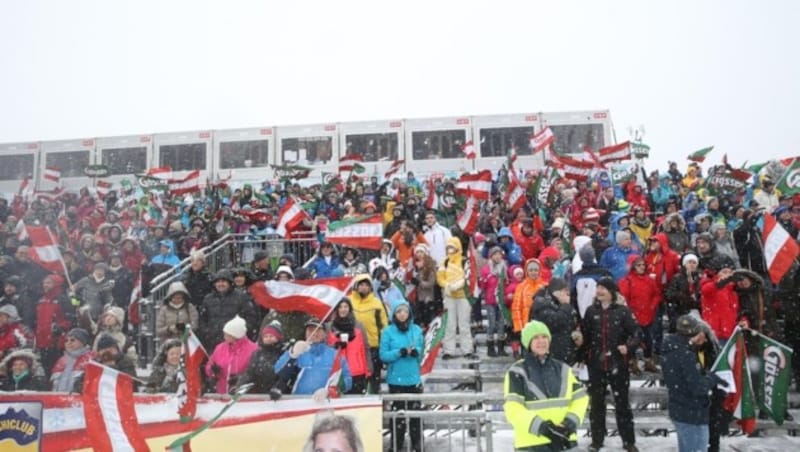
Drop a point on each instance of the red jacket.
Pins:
(642, 295)
(356, 352)
(530, 246)
(664, 264)
(720, 307)
(14, 335)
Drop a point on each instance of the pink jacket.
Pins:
(232, 360)
(511, 286)
(488, 283)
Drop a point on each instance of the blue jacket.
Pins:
(314, 368)
(402, 370)
(170, 258)
(323, 269)
(512, 250)
(615, 260)
(689, 387)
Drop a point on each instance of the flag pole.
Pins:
(60, 257)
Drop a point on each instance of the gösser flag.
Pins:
(780, 250)
(362, 232)
(108, 408)
(776, 374)
(316, 297)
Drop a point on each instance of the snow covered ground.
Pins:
(503, 441)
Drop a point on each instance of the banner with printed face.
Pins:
(254, 423)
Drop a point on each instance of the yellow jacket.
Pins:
(450, 276)
(369, 310)
(527, 406)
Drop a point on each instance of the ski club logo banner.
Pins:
(316, 297)
(362, 232)
(21, 426)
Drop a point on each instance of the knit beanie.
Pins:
(107, 341)
(274, 328)
(687, 325)
(689, 257)
(556, 284)
(80, 334)
(236, 327)
(610, 285)
(532, 329)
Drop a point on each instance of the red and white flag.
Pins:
(472, 271)
(396, 165)
(574, 169)
(133, 303)
(468, 219)
(52, 173)
(190, 383)
(44, 251)
(102, 187)
(189, 184)
(515, 197)
(50, 195)
(20, 230)
(161, 172)
(108, 408)
(290, 216)
(780, 249)
(335, 384)
(316, 297)
(432, 201)
(348, 162)
(542, 139)
(475, 185)
(468, 149)
(23, 186)
(615, 153)
(361, 232)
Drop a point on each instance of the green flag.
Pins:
(359, 168)
(640, 150)
(789, 184)
(775, 376)
(501, 298)
(732, 362)
(700, 156)
(433, 342)
(756, 167)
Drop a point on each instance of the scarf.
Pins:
(66, 380)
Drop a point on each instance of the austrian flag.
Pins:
(780, 249)
(44, 250)
(52, 173)
(189, 184)
(290, 216)
(468, 149)
(616, 153)
(316, 297)
(542, 139)
(468, 220)
(362, 232)
(475, 185)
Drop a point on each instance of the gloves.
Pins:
(320, 395)
(275, 394)
(413, 353)
(75, 301)
(403, 352)
(558, 436)
(216, 370)
(56, 330)
(180, 326)
(340, 345)
(299, 348)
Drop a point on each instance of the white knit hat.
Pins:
(236, 327)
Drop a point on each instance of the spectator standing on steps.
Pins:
(544, 402)
(451, 278)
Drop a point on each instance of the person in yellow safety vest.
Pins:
(544, 402)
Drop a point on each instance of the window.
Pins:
(307, 150)
(438, 144)
(574, 138)
(182, 157)
(244, 154)
(373, 147)
(498, 141)
(125, 160)
(16, 166)
(70, 163)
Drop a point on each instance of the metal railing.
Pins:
(230, 251)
